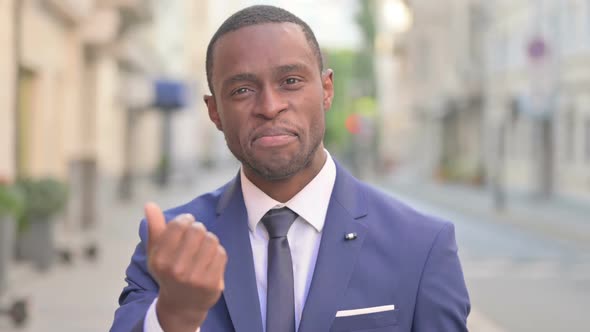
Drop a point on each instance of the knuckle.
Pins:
(184, 218)
(159, 263)
(172, 225)
(188, 217)
(221, 252)
(212, 238)
(196, 232)
(199, 225)
(177, 271)
(178, 225)
(195, 235)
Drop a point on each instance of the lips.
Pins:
(274, 137)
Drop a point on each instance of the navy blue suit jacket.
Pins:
(400, 257)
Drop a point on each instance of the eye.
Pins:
(239, 91)
(292, 83)
(292, 80)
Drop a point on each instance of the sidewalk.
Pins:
(83, 296)
(557, 219)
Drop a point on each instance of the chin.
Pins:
(276, 170)
(277, 165)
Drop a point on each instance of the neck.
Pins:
(284, 189)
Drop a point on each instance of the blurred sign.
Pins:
(170, 95)
(538, 100)
(537, 48)
(353, 124)
(361, 125)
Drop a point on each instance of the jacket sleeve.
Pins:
(140, 292)
(442, 302)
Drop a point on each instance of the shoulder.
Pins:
(390, 214)
(395, 227)
(384, 213)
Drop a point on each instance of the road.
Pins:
(520, 281)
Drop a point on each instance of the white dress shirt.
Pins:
(311, 204)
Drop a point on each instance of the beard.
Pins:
(280, 167)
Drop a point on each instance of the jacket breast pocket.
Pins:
(365, 322)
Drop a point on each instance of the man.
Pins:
(294, 242)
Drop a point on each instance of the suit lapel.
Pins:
(337, 256)
(240, 294)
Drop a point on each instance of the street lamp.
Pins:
(397, 16)
(394, 20)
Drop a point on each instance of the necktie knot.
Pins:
(278, 221)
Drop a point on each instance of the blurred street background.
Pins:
(477, 111)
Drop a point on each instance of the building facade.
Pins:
(498, 93)
(60, 109)
(439, 83)
(536, 91)
(7, 94)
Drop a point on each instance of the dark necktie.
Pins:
(280, 298)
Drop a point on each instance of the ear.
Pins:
(212, 109)
(328, 86)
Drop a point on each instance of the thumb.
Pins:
(155, 221)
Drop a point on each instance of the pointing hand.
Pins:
(188, 263)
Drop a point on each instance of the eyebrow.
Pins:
(289, 68)
(248, 77)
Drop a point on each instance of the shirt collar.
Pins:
(311, 203)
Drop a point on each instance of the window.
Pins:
(570, 135)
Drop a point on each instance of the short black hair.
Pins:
(259, 14)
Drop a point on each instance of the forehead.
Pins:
(261, 47)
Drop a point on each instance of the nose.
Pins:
(271, 103)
